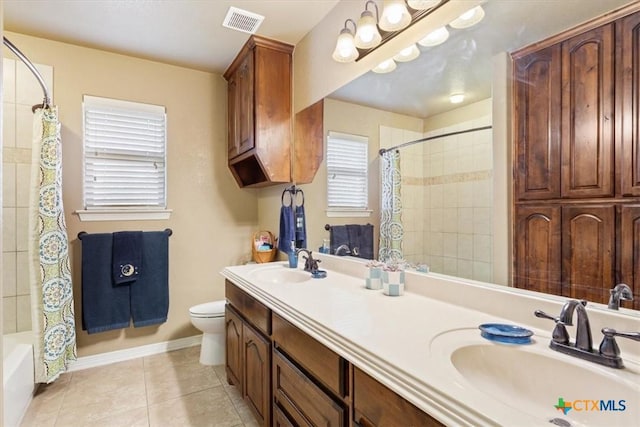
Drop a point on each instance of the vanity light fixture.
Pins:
(469, 18)
(395, 15)
(385, 66)
(407, 54)
(367, 34)
(456, 98)
(345, 47)
(435, 37)
(423, 4)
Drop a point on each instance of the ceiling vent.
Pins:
(242, 20)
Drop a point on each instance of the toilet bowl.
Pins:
(209, 318)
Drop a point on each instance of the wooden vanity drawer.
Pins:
(303, 401)
(376, 405)
(325, 365)
(251, 309)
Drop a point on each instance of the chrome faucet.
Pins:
(621, 291)
(310, 264)
(608, 353)
(342, 250)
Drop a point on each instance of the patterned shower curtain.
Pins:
(50, 275)
(391, 230)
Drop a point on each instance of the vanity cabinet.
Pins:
(576, 160)
(376, 405)
(259, 113)
(248, 350)
(310, 382)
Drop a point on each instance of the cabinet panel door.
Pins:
(537, 106)
(257, 374)
(233, 348)
(232, 117)
(588, 252)
(629, 94)
(587, 114)
(245, 108)
(630, 252)
(537, 249)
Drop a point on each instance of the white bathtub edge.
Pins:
(102, 359)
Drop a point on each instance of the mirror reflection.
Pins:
(449, 218)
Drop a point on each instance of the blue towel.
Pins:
(287, 229)
(127, 256)
(361, 237)
(338, 236)
(150, 293)
(104, 306)
(301, 227)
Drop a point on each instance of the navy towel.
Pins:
(287, 229)
(104, 306)
(150, 293)
(127, 256)
(301, 227)
(338, 236)
(361, 237)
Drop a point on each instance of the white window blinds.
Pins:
(347, 171)
(124, 154)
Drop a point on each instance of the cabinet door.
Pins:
(588, 252)
(240, 92)
(537, 115)
(630, 252)
(537, 249)
(257, 374)
(587, 114)
(629, 95)
(233, 359)
(376, 405)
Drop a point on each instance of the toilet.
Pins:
(209, 318)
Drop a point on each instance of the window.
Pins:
(347, 192)
(124, 159)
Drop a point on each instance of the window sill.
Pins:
(348, 213)
(123, 215)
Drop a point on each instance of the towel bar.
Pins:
(166, 230)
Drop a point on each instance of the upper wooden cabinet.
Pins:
(564, 111)
(259, 111)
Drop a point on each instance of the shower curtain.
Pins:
(391, 231)
(49, 272)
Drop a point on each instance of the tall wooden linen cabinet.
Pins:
(577, 160)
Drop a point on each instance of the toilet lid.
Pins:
(209, 309)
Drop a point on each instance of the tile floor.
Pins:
(169, 389)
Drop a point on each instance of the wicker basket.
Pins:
(263, 256)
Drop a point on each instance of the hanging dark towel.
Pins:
(361, 240)
(150, 293)
(127, 256)
(301, 227)
(287, 229)
(104, 306)
(338, 236)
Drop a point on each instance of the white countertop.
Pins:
(401, 341)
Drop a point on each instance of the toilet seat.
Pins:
(208, 310)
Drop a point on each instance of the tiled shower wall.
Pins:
(21, 91)
(447, 198)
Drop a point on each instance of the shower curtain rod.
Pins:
(47, 99)
(406, 144)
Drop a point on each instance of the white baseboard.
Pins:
(101, 359)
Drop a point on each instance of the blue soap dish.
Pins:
(509, 334)
(319, 274)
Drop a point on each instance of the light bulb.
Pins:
(407, 54)
(385, 66)
(345, 50)
(469, 18)
(435, 37)
(456, 98)
(395, 15)
(367, 35)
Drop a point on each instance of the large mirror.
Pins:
(449, 191)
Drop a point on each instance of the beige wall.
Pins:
(212, 218)
(346, 118)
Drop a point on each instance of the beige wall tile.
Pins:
(9, 229)
(22, 229)
(22, 273)
(28, 90)
(9, 315)
(24, 126)
(465, 246)
(8, 124)
(23, 313)
(9, 276)
(23, 184)
(8, 80)
(8, 185)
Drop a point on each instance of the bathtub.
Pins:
(17, 375)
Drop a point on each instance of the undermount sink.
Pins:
(281, 274)
(532, 378)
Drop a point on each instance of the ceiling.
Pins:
(189, 33)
